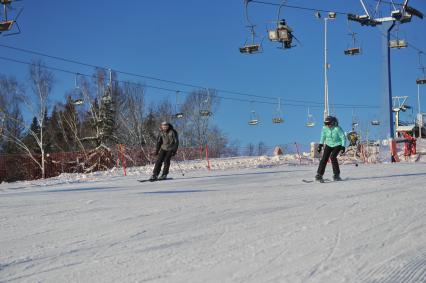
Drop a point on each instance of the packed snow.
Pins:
(248, 220)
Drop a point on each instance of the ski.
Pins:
(316, 181)
(324, 181)
(152, 181)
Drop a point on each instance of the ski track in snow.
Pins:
(239, 225)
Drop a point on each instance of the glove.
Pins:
(319, 149)
(155, 153)
(342, 150)
(174, 153)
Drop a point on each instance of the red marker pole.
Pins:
(207, 157)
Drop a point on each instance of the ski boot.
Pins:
(319, 178)
(337, 178)
(162, 177)
(153, 178)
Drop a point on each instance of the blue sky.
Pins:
(197, 42)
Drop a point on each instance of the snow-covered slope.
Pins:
(236, 225)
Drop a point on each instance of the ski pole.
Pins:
(181, 171)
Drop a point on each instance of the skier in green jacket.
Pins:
(335, 141)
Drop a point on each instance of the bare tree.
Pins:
(250, 149)
(196, 124)
(261, 148)
(41, 81)
(11, 119)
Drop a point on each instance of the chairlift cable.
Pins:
(305, 103)
(154, 78)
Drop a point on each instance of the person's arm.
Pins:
(342, 137)
(322, 139)
(159, 143)
(176, 141)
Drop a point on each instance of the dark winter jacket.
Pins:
(168, 140)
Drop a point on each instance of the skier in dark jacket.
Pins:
(335, 141)
(167, 146)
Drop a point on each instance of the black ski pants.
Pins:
(330, 153)
(163, 157)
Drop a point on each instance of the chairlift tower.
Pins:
(401, 16)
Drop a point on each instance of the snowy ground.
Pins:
(240, 225)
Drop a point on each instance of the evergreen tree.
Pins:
(55, 132)
(29, 139)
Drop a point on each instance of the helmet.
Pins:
(330, 120)
(164, 123)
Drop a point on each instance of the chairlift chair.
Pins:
(78, 101)
(253, 118)
(205, 113)
(250, 49)
(281, 33)
(398, 43)
(354, 49)
(205, 106)
(278, 118)
(77, 92)
(375, 122)
(250, 45)
(178, 115)
(310, 123)
(6, 24)
(422, 79)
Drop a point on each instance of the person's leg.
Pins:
(334, 162)
(167, 158)
(324, 160)
(159, 162)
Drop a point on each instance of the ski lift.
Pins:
(205, 106)
(398, 43)
(254, 119)
(375, 123)
(250, 45)
(79, 100)
(354, 49)
(310, 123)
(6, 24)
(355, 123)
(178, 115)
(278, 118)
(421, 80)
(282, 33)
